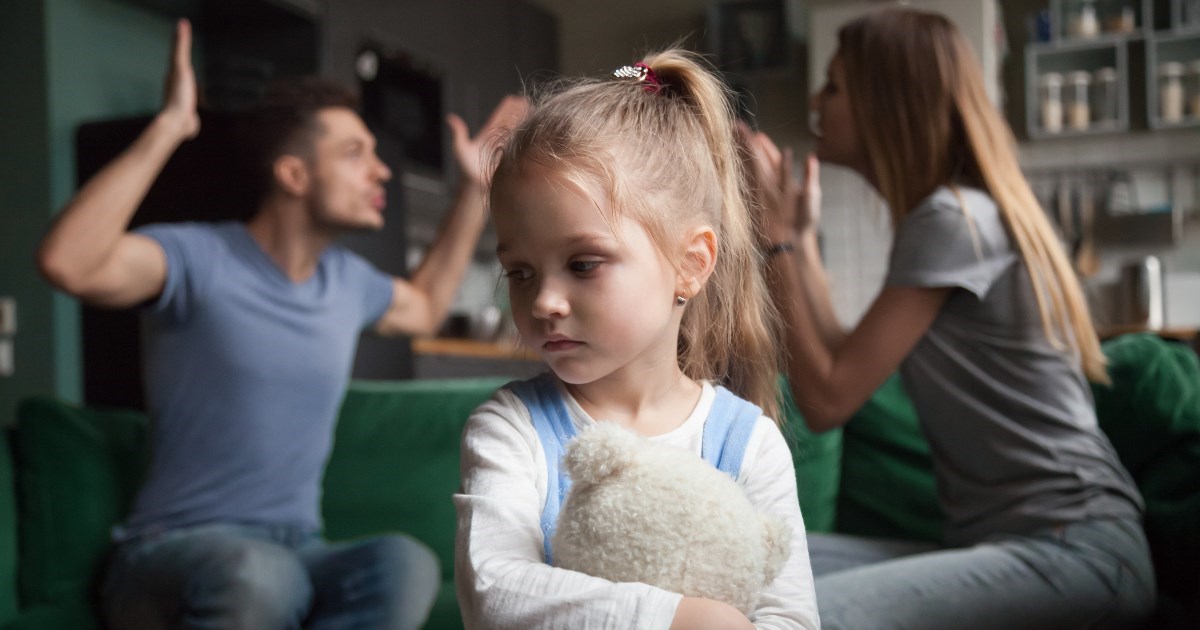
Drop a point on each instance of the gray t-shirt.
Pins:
(1009, 419)
(244, 373)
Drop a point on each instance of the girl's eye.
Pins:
(583, 266)
(518, 274)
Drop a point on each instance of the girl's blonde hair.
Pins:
(918, 96)
(666, 157)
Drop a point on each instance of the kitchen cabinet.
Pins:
(1150, 50)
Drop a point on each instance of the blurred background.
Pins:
(1103, 95)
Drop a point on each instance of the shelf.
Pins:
(1160, 36)
(1088, 56)
(1167, 47)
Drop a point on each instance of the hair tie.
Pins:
(642, 73)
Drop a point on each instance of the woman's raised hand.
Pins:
(789, 208)
(179, 89)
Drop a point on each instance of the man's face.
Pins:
(347, 176)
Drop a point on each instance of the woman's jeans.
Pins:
(264, 578)
(1093, 574)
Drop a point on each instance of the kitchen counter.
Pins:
(1177, 333)
(455, 347)
(443, 357)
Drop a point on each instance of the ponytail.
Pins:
(729, 329)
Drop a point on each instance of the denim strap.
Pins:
(726, 434)
(727, 431)
(555, 430)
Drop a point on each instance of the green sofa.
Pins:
(68, 473)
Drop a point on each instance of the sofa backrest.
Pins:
(394, 467)
(8, 533)
(76, 473)
(395, 460)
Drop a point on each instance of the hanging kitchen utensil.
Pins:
(1066, 225)
(1087, 261)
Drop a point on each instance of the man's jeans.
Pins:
(262, 578)
(1085, 575)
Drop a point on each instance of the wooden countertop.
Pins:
(1179, 333)
(444, 346)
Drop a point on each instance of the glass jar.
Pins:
(1083, 21)
(1193, 89)
(1105, 99)
(1170, 91)
(1118, 17)
(1050, 101)
(1077, 102)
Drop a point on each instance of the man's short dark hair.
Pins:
(284, 121)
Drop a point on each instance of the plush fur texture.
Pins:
(645, 512)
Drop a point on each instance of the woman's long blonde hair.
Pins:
(918, 96)
(667, 158)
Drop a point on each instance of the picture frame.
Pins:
(749, 36)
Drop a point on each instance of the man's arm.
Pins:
(420, 304)
(89, 253)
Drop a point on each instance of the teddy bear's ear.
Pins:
(599, 452)
(777, 537)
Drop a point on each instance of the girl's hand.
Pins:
(179, 90)
(698, 613)
(789, 209)
(474, 154)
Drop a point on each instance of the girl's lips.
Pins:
(560, 345)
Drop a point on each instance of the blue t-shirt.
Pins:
(244, 372)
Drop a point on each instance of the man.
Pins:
(250, 333)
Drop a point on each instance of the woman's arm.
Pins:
(790, 217)
(831, 376)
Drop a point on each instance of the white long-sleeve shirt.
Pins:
(501, 577)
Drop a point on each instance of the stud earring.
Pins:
(680, 300)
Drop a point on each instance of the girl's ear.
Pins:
(699, 261)
(291, 173)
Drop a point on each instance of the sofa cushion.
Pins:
(74, 617)
(395, 465)
(1151, 412)
(77, 470)
(888, 489)
(817, 458)
(8, 533)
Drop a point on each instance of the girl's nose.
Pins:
(550, 302)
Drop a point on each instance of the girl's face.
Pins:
(593, 303)
(838, 140)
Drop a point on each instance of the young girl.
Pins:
(987, 324)
(633, 270)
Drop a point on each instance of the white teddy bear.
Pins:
(644, 512)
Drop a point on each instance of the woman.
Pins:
(981, 314)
